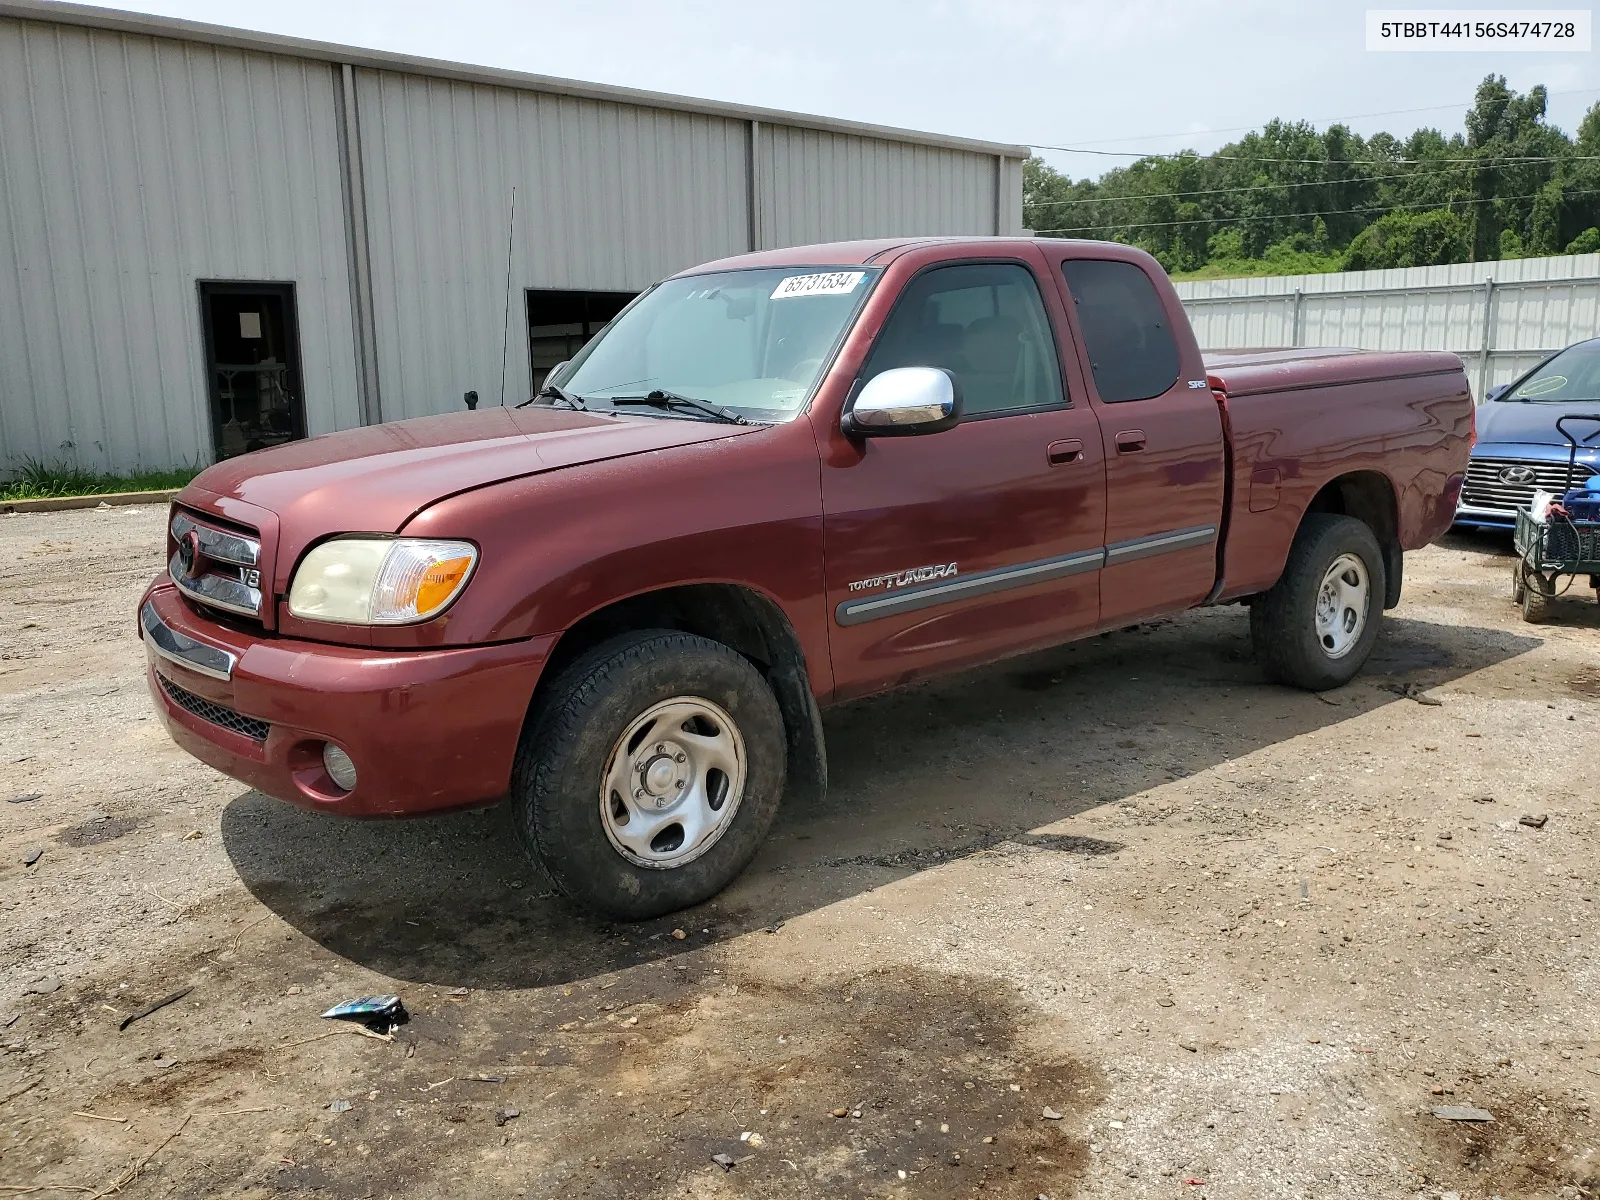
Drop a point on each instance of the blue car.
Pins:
(1519, 449)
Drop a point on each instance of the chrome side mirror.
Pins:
(904, 401)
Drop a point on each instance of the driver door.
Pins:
(982, 540)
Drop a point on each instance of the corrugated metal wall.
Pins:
(134, 165)
(817, 186)
(1011, 196)
(1500, 317)
(130, 168)
(609, 197)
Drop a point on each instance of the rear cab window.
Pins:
(1126, 331)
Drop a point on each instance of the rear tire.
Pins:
(1315, 627)
(650, 774)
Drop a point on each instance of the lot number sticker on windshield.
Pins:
(834, 283)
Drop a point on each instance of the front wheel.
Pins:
(1534, 599)
(651, 773)
(1316, 626)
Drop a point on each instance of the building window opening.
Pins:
(252, 366)
(560, 323)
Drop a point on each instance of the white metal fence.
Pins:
(1500, 317)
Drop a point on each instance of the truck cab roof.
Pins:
(881, 251)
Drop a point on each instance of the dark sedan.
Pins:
(1519, 449)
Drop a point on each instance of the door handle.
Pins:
(1069, 451)
(1130, 441)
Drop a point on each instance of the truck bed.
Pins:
(1303, 416)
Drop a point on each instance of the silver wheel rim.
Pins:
(673, 782)
(1342, 605)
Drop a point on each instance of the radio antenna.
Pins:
(505, 325)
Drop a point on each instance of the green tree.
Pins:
(1587, 242)
(1406, 239)
(1288, 198)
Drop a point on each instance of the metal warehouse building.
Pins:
(213, 240)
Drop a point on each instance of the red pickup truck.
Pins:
(775, 482)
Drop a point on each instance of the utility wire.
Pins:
(1391, 112)
(1253, 158)
(1329, 212)
(1265, 187)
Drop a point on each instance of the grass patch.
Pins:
(48, 481)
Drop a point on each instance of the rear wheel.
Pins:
(1316, 626)
(651, 773)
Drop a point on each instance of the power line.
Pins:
(1252, 158)
(1391, 112)
(1330, 212)
(1265, 187)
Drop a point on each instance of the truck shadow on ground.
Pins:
(920, 778)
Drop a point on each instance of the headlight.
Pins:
(380, 581)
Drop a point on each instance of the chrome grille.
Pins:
(1485, 488)
(216, 566)
(215, 714)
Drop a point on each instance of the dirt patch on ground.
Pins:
(1536, 1146)
(97, 830)
(920, 1077)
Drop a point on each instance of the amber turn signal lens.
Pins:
(440, 582)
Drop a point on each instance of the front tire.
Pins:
(1534, 600)
(650, 774)
(1316, 626)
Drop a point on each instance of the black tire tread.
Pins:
(560, 721)
(1277, 616)
(1535, 601)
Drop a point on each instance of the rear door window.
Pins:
(986, 325)
(1125, 329)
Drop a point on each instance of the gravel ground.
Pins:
(1116, 920)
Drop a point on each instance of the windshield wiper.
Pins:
(672, 400)
(554, 393)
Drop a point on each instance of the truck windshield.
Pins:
(1572, 375)
(753, 341)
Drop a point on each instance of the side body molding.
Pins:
(904, 600)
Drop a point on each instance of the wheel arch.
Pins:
(745, 620)
(1369, 497)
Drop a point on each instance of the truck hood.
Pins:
(373, 480)
(1534, 423)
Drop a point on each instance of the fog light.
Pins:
(340, 767)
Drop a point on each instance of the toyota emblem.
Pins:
(1517, 474)
(189, 552)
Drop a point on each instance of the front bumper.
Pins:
(1489, 518)
(428, 730)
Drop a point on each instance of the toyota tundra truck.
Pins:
(773, 483)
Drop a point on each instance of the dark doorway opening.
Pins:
(252, 365)
(559, 323)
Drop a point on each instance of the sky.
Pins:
(1150, 76)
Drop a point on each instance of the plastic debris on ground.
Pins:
(378, 1013)
(1462, 1112)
